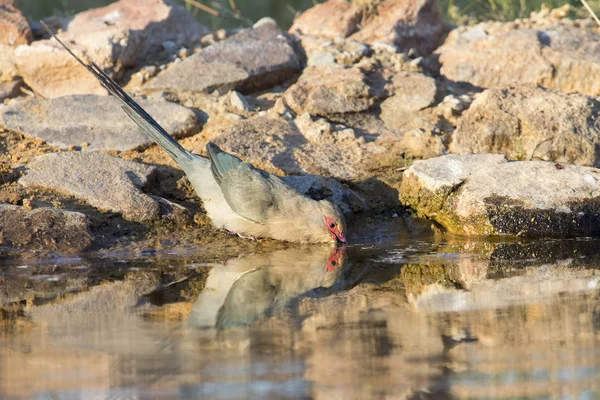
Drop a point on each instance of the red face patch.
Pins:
(334, 229)
(335, 259)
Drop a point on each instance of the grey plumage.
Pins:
(237, 196)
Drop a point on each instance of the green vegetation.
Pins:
(233, 13)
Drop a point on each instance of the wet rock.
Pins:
(531, 123)
(249, 60)
(413, 24)
(332, 89)
(96, 121)
(332, 19)
(557, 57)
(43, 228)
(14, 28)
(486, 194)
(114, 37)
(105, 182)
(411, 92)
(10, 89)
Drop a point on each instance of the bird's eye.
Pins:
(333, 263)
(332, 225)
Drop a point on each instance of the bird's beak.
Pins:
(341, 237)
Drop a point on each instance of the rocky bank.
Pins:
(489, 129)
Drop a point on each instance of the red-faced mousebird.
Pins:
(237, 196)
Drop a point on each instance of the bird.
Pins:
(238, 197)
(250, 287)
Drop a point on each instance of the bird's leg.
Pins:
(227, 231)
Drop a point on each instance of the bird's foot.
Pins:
(227, 231)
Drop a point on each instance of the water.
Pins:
(410, 318)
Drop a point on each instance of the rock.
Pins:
(556, 57)
(279, 146)
(411, 92)
(105, 182)
(486, 194)
(97, 120)
(115, 37)
(11, 89)
(8, 69)
(332, 19)
(43, 228)
(531, 123)
(14, 28)
(332, 89)
(238, 102)
(408, 24)
(249, 60)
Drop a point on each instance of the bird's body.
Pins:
(236, 196)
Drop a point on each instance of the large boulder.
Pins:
(43, 228)
(490, 54)
(252, 59)
(96, 122)
(408, 24)
(531, 123)
(14, 28)
(105, 182)
(114, 37)
(486, 194)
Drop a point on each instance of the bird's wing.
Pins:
(248, 191)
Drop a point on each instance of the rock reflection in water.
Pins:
(417, 321)
(250, 287)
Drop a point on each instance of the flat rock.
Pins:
(98, 122)
(14, 28)
(43, 228)
(408, 24)
(115, 37)
(252, 59)
(531, 123)
(486, 194)
(105, 182)
(332, 19)
(332, 89)
(556, 57)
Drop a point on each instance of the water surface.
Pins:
(409, 318)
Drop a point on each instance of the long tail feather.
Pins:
(132, 108)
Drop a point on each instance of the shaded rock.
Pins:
(332, 89)
(43, 228)
(10, 89)
(332, 19)
(105, 182)
(531, 123)
(14, 28)
(95, 121)
(557, 57)
(411, 92)
(408, 24)
(488, 195)
(249, 60)
(114, 37)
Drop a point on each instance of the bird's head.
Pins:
(333, 222)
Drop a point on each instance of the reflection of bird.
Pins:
(237, 197)
(248, 288)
